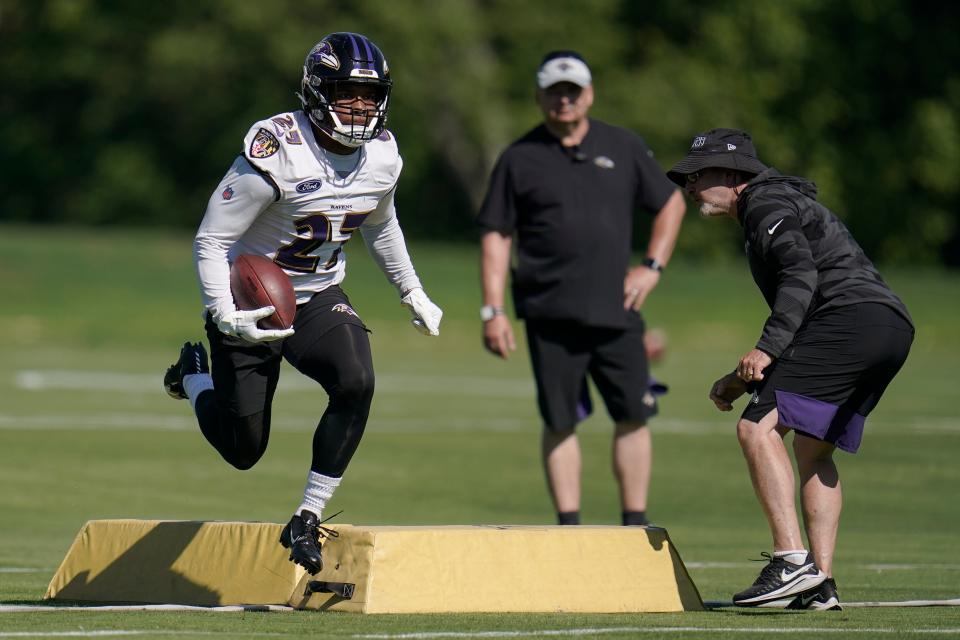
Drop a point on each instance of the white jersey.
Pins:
(288, 199)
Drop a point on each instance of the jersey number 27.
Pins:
(296, 256)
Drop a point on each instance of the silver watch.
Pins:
(488, 312)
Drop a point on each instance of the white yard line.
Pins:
(412, 384)
(533, 633)
(40, 608)
(716, 604)
(163, 422)
(911, 567)
(871, 567)
(116, 382)
(104, 633)
(435, 635)
(23, 570)
(108, 633)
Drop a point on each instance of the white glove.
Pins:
(243, 324)
(426, 315)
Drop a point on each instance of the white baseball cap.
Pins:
(563, 66)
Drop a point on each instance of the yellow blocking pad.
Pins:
(391, 569)
(176, 562)
(502, 568)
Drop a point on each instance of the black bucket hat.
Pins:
(721, 148)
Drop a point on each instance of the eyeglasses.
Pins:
(693, 177)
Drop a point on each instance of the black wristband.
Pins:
(652, 263)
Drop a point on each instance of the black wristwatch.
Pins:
(652, 263)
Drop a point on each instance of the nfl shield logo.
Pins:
(227, 193)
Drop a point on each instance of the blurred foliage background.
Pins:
(117, 112)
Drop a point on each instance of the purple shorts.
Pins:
(833, 374)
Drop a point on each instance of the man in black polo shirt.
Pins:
(568, 190)
(835, 338)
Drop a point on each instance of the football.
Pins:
(257, 282)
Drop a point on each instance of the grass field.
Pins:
(91, 319)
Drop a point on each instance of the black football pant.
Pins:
(330, 345)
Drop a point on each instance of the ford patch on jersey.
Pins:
(308, 186)
(264, 144)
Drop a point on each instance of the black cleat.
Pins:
(302, 537)
(778, 580)
(193, 359)
(821, 598)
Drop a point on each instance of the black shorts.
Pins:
(564, 352)
(834, 372)
(245, 374)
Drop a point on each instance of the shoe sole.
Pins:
(173, 388)
(782, 603)
(311, 568)
(832, 604)
(805, 583)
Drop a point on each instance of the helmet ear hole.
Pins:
(345, 58)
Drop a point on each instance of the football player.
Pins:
(306, 180)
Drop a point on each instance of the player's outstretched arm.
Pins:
(384, 238)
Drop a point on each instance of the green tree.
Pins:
(118, 112)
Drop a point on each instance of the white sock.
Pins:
(196, 383)
(795, 556)
(318, 491)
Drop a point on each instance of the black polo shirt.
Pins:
(572, 210)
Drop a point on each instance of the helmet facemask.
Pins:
(319, 99)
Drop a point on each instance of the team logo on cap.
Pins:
(698, 142)
(731, 147)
